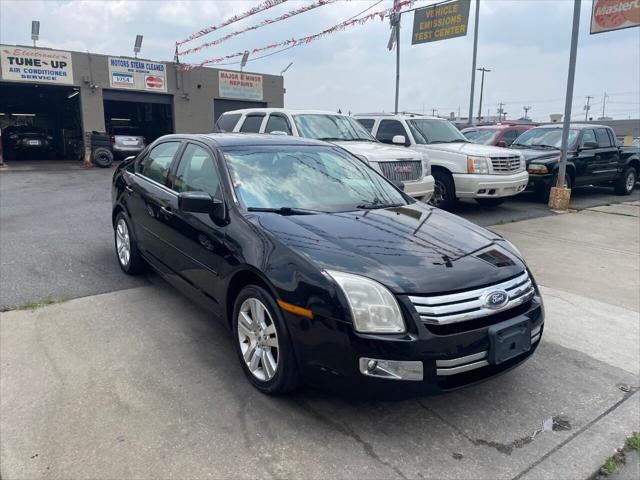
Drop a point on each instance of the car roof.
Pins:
(573, 125)
(246, 139)
(284, 110)
(400, 115)
(498, 127)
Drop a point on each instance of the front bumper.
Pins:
(489, 186)
(330, 353)
(422, 189)
(538, 181)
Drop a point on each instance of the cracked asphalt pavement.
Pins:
(133, 381)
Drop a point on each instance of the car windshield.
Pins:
(331, 128)
(306, 177)
(435, 131)
(485, 136)
(125, 131)
(545, 137)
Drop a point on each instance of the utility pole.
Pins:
(483, 70)
(526, 109)
(433, 112)
(473, 62)
(587, 107)
(394, 19)
(500, 111)
(604, 103)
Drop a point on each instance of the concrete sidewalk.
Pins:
(141, 384)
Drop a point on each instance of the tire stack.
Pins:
(101, 153)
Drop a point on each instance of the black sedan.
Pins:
(22, 140)
(324, 270)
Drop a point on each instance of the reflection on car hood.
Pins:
(379, 152)
(411, 249)
(533, 154)
(467, 149)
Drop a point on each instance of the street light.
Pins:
(286, 68)
(35, 31)
(137, 45)
(483, 70)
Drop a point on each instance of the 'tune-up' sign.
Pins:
(440, 22)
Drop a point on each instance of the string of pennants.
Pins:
(266, 22)
(294, 42)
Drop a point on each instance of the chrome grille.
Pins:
(508, 164)
(402, 171)
(459, 307)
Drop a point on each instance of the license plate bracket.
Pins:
(509, 339)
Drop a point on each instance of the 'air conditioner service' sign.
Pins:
(245, 86)
(136, 74)
(36, 65)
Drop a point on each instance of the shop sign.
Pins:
(245, 86)
(609, 15)
(36, 65)
(440, 22)
(136, 74)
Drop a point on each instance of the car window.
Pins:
(227, 122)
(196, 172)
(510, 136)
(331, 128)
(603, 137)
(366, 123)
(389, 129)
(588, 136)
(426, 130)
(252, 124)
(278, 123)
(485, 136)
(155, 166)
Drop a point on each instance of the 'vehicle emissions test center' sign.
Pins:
(36, 65)
(608, 15)
(440, 22)
(136, 74)
(244, 86)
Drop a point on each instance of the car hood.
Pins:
(531, 154)
(410, 249)
(467, 149)
(379, 152)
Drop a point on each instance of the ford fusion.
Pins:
(325, 272)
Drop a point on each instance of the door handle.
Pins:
(166, 211)
(128, 189)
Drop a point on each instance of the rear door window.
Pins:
(389, 129)
(510, 136)
(366, 123)
(603, 137)
(227, 122)
(278, 123)
(156, 164)
(252, 123)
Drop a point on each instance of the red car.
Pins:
(500, 135)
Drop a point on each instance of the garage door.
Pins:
(40, 121)
(221, 106)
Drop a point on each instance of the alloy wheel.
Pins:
(630, 181)
(439, 194)
(123, 242)
(258, 339)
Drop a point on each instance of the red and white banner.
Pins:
(264, 23)
(266, 5)
(608, 15)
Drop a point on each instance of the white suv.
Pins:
(397, 163)
(461, 169)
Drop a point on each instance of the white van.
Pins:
(397, 163)
(461, 169)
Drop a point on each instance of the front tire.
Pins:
(543, 191)
(444, 191)
(627, 181)
(263, 343)
(129, 258)
(490, 202)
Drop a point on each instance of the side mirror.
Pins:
(399, 185)
(202, 202)
(589, 145)
(502, 144)
(399, 140)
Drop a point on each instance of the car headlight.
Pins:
(477, 165)
(537, 169)
(374, 309)
(426, 165)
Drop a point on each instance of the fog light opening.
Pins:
(392, 369)
(481, 191)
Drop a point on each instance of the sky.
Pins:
(525, 44)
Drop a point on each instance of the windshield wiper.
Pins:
(331, 139)
(376, 205)
(542, 145)
(451, 141)
(283, 210)
(520, 145)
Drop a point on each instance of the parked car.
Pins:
(593, 158)
(26, 140)
(126, 141)
(500, 135)
(398, 164)
(461, 169)
(323, 269)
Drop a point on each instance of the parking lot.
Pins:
(124, 378)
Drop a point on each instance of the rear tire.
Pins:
(490, 202)
(627, 181)
(102, 157)
(262, 342)
(129, 258)
(444, 191)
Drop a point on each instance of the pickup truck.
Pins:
(593, 158)
(461, 169)
(404, 167)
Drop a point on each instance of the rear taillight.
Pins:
(113, 139)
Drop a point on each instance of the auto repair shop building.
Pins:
(69, 93)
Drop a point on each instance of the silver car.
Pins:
(126, 141)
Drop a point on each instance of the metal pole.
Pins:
(399, 16)
(604, 104)
(569, 99)
(473, 61)
(481, 90)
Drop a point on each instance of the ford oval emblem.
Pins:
(495, 299)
